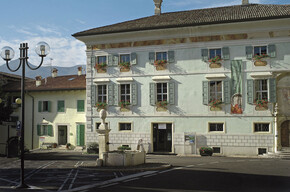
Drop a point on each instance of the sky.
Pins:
(54, 21)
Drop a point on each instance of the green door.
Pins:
(80, 135)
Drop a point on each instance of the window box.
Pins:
(124, 63)
(124, 106)
(215, 62)
(101, 105)
(101, 67)
(160, 64)
(261, 60)
(216, 108)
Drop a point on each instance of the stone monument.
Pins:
(103, 132)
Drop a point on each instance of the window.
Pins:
(44, 130)
(60, 106)
(161, 91)
(125, 126)
(161, 56)
(216, 150)
(215, 52)
(125, 92)
(261, 127)
(261, 151)
(216, 127)
(125, 58)
(98, 124)
(80, 105)
(102, 93)
(44, 106)
(215, 90)
(261, 88)
(102, 59)
(260, 50)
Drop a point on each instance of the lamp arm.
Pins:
(38, 65)
(12, 70)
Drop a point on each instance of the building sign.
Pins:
(189, 137)
(162, 126)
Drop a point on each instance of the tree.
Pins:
(5, 105)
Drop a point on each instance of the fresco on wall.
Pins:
(236, 100)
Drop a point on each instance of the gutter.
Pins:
(32, 130)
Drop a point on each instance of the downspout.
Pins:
(32, 130)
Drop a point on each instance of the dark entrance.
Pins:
(285, 134)
(162, 137)
(13, 147)
(62, 135)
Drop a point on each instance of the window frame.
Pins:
(260, 91)
(260, 51)
(262, 132)
(162, 56)
(216, 92)
(102, 56)
(103, 94)
(131, 126)
(125, 94)
(224, 127)
(125, 54)
(215, 52)
(63, 106)
(162, 92)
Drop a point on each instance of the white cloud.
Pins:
(64, 51)
(48, 30)
(80, 21)
(26, 32)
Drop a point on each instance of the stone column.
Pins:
(103, 132)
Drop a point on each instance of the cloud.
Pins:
(80, 21)
(48, 30)
(26, 32)
(64, 51)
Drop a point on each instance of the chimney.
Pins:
(54, 73)
(157, 6)
(38, 81)
(80, 71)
(245, 2)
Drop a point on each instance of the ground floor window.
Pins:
(261, 127)
(216, 127)
(125, 126)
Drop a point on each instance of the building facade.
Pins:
(184, 80)
(54, 110)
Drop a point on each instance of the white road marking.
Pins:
(131, 180)
(72, 182)
(39, 169)
(108, 185)
(150, 175)
(116, 176)
(67, 178)
(8, 181)
(200, 164)
(190, 165)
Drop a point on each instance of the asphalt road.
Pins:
(56, 171)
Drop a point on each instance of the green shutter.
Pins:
(110, 94)
(93, 61)
(115, 60)
(134, 94)
(272, 50)
(151, 58)
(82, 135)
(204, 54)
(171, 57)
(49, 130)
(49, 106)
(80, 105)
(226, 53)
(250, 91)
(152, 93)
(133, 59)
(272, 90)
(93, 95)
(110, 60)
(39, 130)
(205, 92)
(116, 94)
(171, 93)
(227, 92)
(39, 106)
(249, 52)
(78, 135)
(60, 106)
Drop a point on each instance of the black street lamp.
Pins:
(7, 53)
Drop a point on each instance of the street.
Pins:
(62, 171)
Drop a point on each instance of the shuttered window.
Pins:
(60, 106)
(102, 93)
(44, 130)
(44, 106)
(216, 90)
(125, 93)
(162, 92)
(261, 89)
(80, 105)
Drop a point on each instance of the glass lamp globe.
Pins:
(7, 53)
(42, 49)
(18, 101)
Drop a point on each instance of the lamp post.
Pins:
(7, 53)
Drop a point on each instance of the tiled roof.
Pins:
(60, 83)
(229, 14)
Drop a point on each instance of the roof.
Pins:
(60, 83)
(12, 76)
(219, 15)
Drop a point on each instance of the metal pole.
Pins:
(23, 56)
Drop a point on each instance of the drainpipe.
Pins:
(32, 130)
(275, 128)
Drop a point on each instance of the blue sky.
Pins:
(54, 21)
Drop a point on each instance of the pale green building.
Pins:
(183, 80)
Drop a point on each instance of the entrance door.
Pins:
(62, 135)
(162, 137)
(285, 134)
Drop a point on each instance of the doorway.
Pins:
(285, 134)
(162, 137)
(62, 135)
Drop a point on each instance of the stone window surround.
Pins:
(216, 132)
(129, 122)
(262, 132)
(98, 122)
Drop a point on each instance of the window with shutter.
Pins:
(49, 130)
(60, 106)
(80, 105)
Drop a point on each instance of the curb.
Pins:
(136, 168)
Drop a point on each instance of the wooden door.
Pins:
(285, 134)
